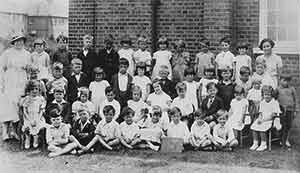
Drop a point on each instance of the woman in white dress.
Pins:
(14, 62)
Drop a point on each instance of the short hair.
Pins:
(242, 45)
(210, 85)
(58, 66)
(189, 71)
(62, 38)
(181, 86)
(164, 68)
(76, 61)
(123, 61)
(33, 69)
(266, 40)
(225, 40)
(83, 110)
(141, 65)
(172, 112)
(84, 91)
(31, 85)
(54, 113)
(209, 69)
(157, 110)
(156, 80)
(260, 62)
(256, 81)
(286, 77)
(163, 40)
(136, 88)
(244, 70)
(108, 108)
(126, 111)
(226, 70)
(267, 89)
(205, 41)
(239, 90)
(59, 90)
(87, 37)
(108, 90)
(199, 113)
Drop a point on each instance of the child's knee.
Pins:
(206, 143)
(52, 148)
(234, 143)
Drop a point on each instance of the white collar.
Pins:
(120, 74)
(73, 74)
(63, 101)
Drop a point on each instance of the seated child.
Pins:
(130, 135)
(238, 109)
(58, 136)
(167, 85)
(152, 133)
(254, 96)
(110, 100)
(33, 108)
(243, 79)
(211, 104)
(209, 76)
(107, 131)
(200, 132)
(268, 109)
(223, 135)
(83, 129)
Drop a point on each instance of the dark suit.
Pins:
(64, 108)
(65, 57)
(226, 93)
(215, 106)
(73, 86)
(122, 96)
(109, 62)
(168, 87)
(89, 62)
(76, 131)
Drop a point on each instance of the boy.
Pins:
(225, 58)
(226, 88)
(107, 131)
(204, 59)
(110, 100)
(59, 103)
(167, 85)
(78, 79)
(129, 130)
(143, 55)
(58, 136)
(122, 83)
(58, 80)
(243, 79)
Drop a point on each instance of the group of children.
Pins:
(204, 101)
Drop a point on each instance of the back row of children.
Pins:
(80, 101)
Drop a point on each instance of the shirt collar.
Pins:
(120, 74)
(63, 101)
(73, 74)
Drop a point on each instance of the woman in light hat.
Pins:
(14, 62)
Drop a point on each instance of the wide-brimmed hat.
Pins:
(17, 37)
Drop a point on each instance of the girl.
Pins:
(254, 97)
(143, 55)
(209, 74)
(268, 109)
(261, 75)
(238, 109)
(41, 59)
(192, 87)
(127, 52)
(33, 108)
(180, 61)
(33, 75)
(141, 80)
(162, 57)
(241, 60)
(243, 80)
(97, 88)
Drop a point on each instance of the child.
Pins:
(137, 105)
(224, 59)
(143, 55)
(268, 109)
(241, 60)
(167, 85)
(152, 133)
(261, 75)
(78, 79)
(130, 136)
(107, 131)
(83, 129)
(110, 100)
(177, 128)
(211, 104)
(204, 59)
(180, 61)
(84, 103)
(238, 109)
(33, 75)
(287, 99)
(162, 57)
(33, 108)
(243, 79)
(226, 88)
(183, 103)
(192, 87)
(223, 135)
(141, 80)
(200, 132)
(58, 137)
(209, 74)
(127, 52)
(97, 88)
(122, 83)
(57, 80)
(41, 59)
(59, 103)
(254, 96)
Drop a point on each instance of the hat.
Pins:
(39, 41)
(17, 37)
(58, 66)
(109, 39)
(88, 37)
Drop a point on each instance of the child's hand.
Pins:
(259, 121)
(33, 123)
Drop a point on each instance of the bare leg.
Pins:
(69, 147)
(114, 142)
(255, 140)
(5, 126)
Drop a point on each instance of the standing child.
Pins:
(268, 110)
(223, 135)
(192, 87)
(243, 79)
(58, 137)
(241, 60)
(141, 80)
(110, 100)
(33, 75)
(143, 55)
(41, 59)
(204, 59)
(130, 135)
(180, 61)
(261, 75)
(122, 83)
(238, 109)
(224, 59)
(287, 99)
(33, 108)
(162, 57)
(97, 88)
(167, 85)
(209, 76)
(127, 52)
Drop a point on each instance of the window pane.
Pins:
(272, 33)
(272, 18)
(292, 33)
(282, 33)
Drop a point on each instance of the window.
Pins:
(279, 20)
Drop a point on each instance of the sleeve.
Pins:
(155, 56)
(91, 86)
(230, 134)
(49, 135)
(98, 129)
(234, 59)
(75, 107)
(118, 110)
(279, 62)
(118, 131)
(276, 108)
(186, 133)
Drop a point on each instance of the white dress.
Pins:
(238, 108)
(137, 107)
(265, 79)
(142, 81)
(224, 60)
(41, 60)
(191, 92)
(98, 93)
(142, 56)
(14, 78)
(240, 61)
(179, 130)
(128, 54)
(153, 131)
(129, 131)
(184, 104)
(266, 109)
(162, 57)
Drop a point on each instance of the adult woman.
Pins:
(14, 62)
(273, 61)
(179, 61)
